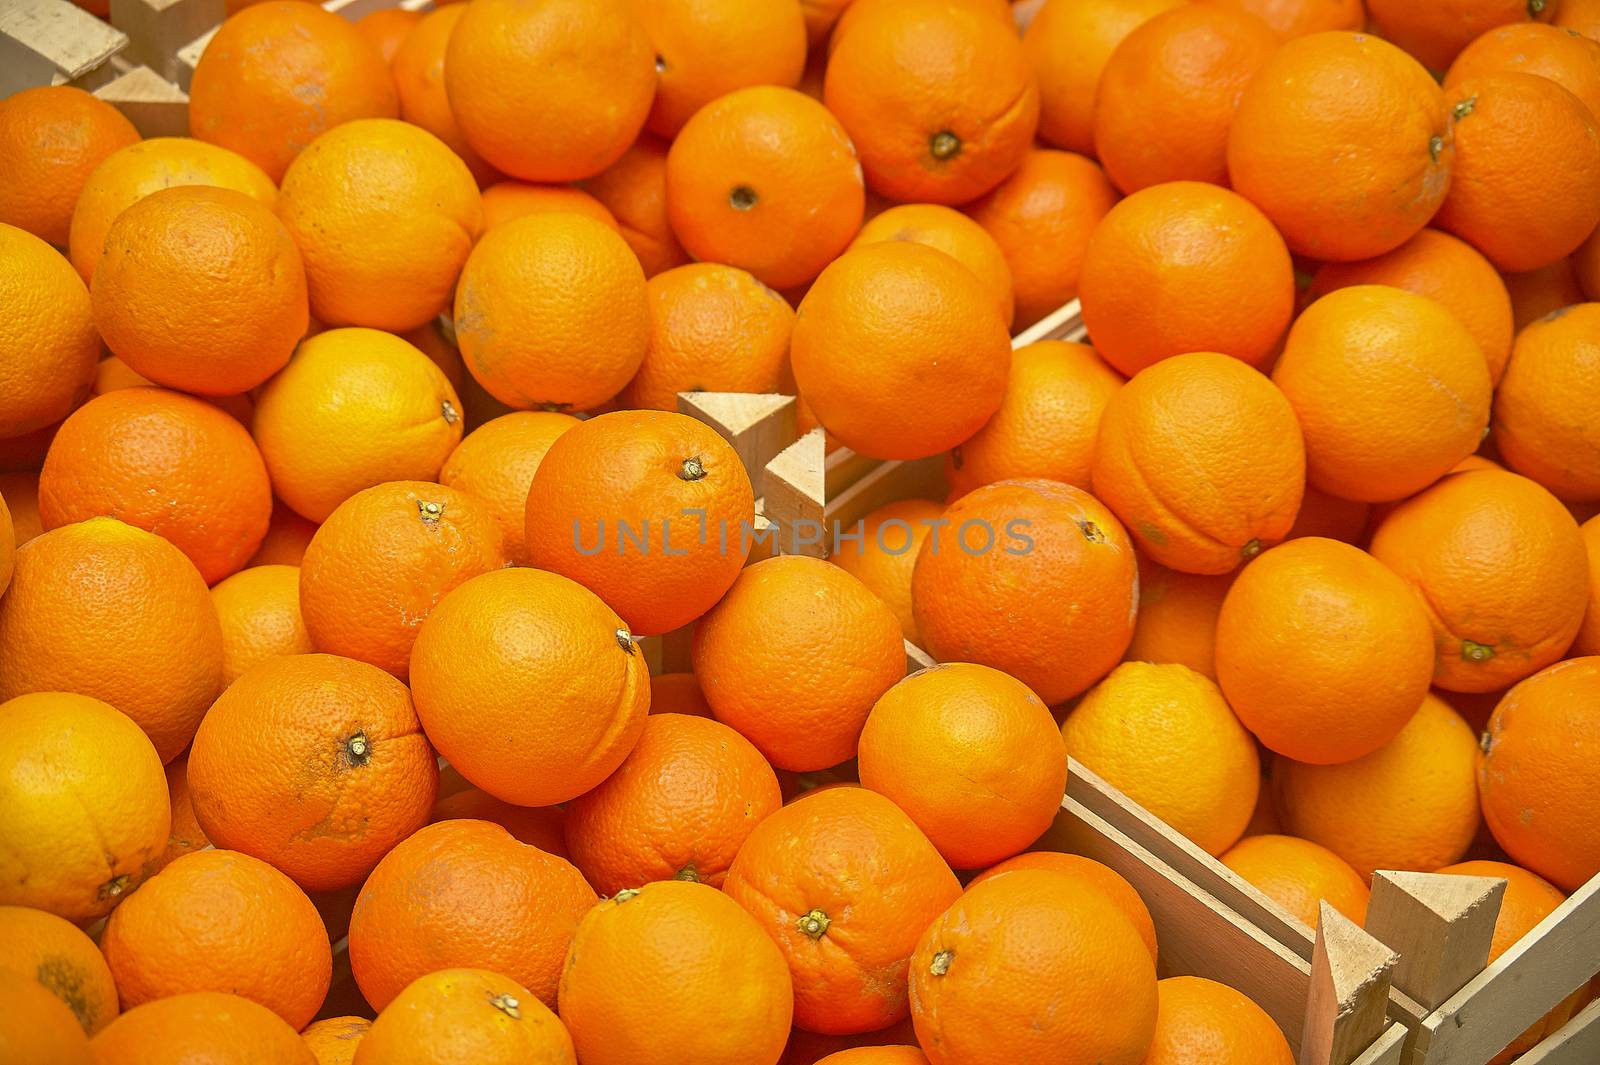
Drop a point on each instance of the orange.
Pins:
(865, 10)
(971, 756)
(465, 893)
(51, 139)
(20, 494)
(551, 312)
(61, 753)
(1164, 736)
(951, 232)
(579, 72)
(185, 835)
(1411, 804)
(886, 553)
(219, 919)
(1184, 267)
(507, 200)
(111, 611)
(1580, 16)
(259, 609)
(1042, 216)
(809, 1048)
(1297, 18)
(287, 536)
(1178, 617)
(765, 179)
(201, 1026)
(1033, 966)
(1168, 93)
(539, 826)
(1436, 33)
(708, 49)
(373, 783)
(794, 656)
(384, 559)
(1047, 422)
(496, 462)
(1297, 875)
(678, 808)
(1536, 777)
(36, 1028)
(1202, 1022)
(1588, 640)
(1020, 550)
(418, 68)
(1201, 458)
(1502, 571)
(1068, 44)
(67, 963)
(689, 953)
(956, 116)
(333, 1040)
(1538, 424)
(353, 409)
(387, 28)
(165, 462)
(1102, 878)
(534, 658)
(678, 693)
(8, 546)
(465, 1017)
(1349, 691)
(278, 74)
(1391, 391)
(936, 351)
(713, 328)
(634, 190)
(1569, 59)
(885, 1055)
(1343, 140)
(49, 348)
(820, 16)
(844, 882)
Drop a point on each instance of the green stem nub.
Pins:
(430, 511)
(693, 469)
(1464, 108)
(1251, 549)
(624, 895)
(688, 873)
(1435, 148)
(1092, 532)
(448, 409)
(743, 197)
(508, 1005)
(814, 924)
(941, 962)
(114, 887)
(625, 640)
(944, 145)
(357, 749)
(1476, 652)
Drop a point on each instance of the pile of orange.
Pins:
(344, 497)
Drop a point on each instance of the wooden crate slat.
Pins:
(1347, 1003)
(757, 426)
(157, 29)
(1387, 1049)
(51, 42)
(155, 106)
(1441, 926)
(793, 496)
(1577, 1043)
(917, 658)
(1063, 323)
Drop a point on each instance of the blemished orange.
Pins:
(1411, 804)
(110, 611)
(387, 28)
(844, 882)
(353, 409)
(333, 1040)
(49, 347)
(938, 351)
(1447, 270)
(551, 312)
(384, 558)
(507, 200)
(538, 826)
(713, 328)
(886, 553)
(1178, 617)
(1164, 736)
(201, 1026)
(1167, 95)
(1348, 692)
(1501, 568)
(164, 462)
(678, 693)
(1537, 778)
(1296, 18)
(1580, 16)
(1508, 128)
(1539, 425)
(765, 179)
(1569, 59)
(53, 951)
(690, 952)
(288, 534)
(1068, 44)
(1103, 878)
(359, 201)
(219, 920)
(529, 654)
(61, 751)
(1368, 121)
(278, 74)
(957, 116)
(793, 658)
(185, 835)
(418, 69)
(35, 1027)
(1200, 456)
(1185, 266)
(581, 72)
(1042, 216)
(1390, 389)
(951, 232)
(1588, 639)
(465, 893)
(259, 608)
(678, 808)
(376, 785)
(1202, 1022)
(1298, 874)
(465, 1017)
(1033, 966)
(972, 757)
(51, 139)
(634, 190)
(496, 462)
(708, 49)
(1436, 34)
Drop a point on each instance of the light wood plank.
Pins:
(794, 495)
(1387, 1049)
(51, 42)
(188, 57)
(886, 483)
(1577, 1043)
(757, 426)
(1441, 926)
(1063, 323)
(1348, 1000)
(917, 658)
(155, 106)
(668, 652)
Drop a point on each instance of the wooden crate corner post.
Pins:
(1441, 926)
(158, 29)
(1347, 1006)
